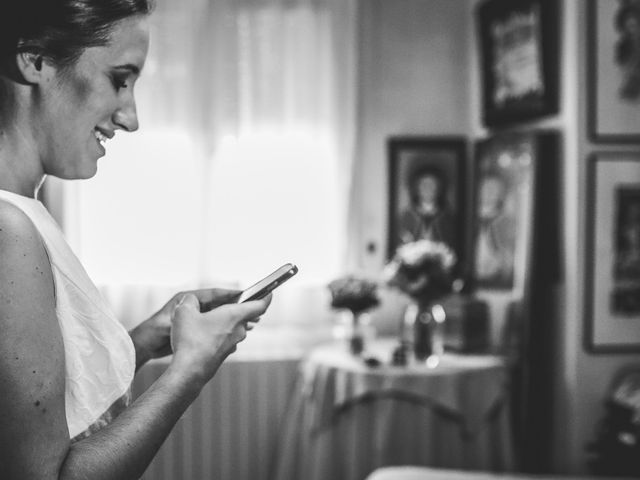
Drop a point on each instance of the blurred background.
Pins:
(263, 140)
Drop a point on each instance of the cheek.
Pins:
(84, 93)
(80, 92)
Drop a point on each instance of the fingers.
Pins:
(253, 320)
(263, 302)
(231, 320)
(254, 308)
(268, 299)
(211, 298)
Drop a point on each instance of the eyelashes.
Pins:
(119, 83)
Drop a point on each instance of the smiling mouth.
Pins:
(102, 138)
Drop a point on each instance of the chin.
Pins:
(89, 172)
(83, 171)
(87, 167)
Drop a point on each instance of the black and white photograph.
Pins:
(627, 232)
(614, 70)
(519, 63)
(504, 168)
(426, 191)
(613, 281)
(319, 239)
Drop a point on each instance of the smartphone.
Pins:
(262, 288)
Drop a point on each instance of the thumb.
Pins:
(253, 308)
(186, 306)
(190, 301)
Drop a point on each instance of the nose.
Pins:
(126, 116)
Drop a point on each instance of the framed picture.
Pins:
(518, 40)
(614, 76)
(613, 253)
(508, 169)
(427, 191)
(514, 268)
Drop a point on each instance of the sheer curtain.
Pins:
(243, 160)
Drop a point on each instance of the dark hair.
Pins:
(429, 171)
(61, 29)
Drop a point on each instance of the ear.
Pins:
(32, 67)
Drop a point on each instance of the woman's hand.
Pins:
(151, 338)
(202, 340)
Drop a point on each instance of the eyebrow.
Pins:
(129, 66)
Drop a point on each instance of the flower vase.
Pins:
(423, 330)
(355, 327)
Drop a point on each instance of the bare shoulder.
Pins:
(23, 258)
(26, 280)
(16, 227)
(33, 431)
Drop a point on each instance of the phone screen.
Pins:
(262, 288)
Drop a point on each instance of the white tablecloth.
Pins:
(346, 418)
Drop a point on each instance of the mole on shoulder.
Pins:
(37, 403)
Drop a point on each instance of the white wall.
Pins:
(414, 68)
(419, 75)
(588, 375)
(582, 379)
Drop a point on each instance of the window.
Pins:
(243, 159)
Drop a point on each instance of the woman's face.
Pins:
(84, 104)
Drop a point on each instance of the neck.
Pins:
(21, 170)
(19, 173)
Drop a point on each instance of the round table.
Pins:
(347, 418)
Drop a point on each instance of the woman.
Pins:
(67, 71)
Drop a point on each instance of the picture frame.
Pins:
(519, 59)
(614, 71)
(612, 308)
(514, 267)
(508, 227)
(416, 159)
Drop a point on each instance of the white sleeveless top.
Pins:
(99, 354)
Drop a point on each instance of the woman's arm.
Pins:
(124, 449)
(151, 337)
(34, 439)
(33, 431)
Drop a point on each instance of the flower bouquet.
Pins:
(423, 271)
(354, 293)
(355, 296)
